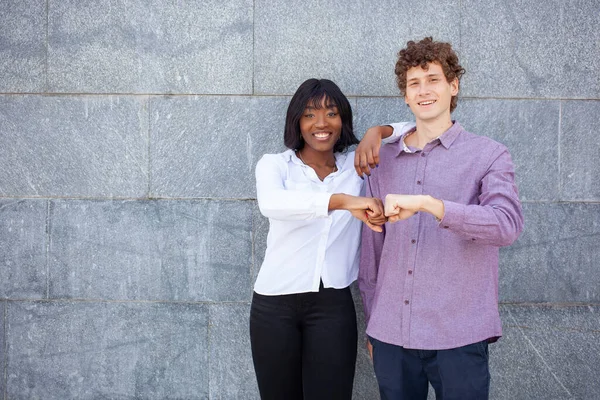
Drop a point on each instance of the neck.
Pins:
(317, 158)
(430, 130)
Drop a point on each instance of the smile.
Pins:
(426, 102)
(321, 135)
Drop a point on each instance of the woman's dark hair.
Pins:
(312, 93)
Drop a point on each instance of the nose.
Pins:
(423, 89)
(320, 121)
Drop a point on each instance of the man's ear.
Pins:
(454, 87)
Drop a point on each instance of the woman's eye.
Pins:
(308, 115)
(332, 114)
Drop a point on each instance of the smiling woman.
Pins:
(302, 321)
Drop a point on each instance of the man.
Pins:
(429, 282)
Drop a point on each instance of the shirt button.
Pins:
(413, 241)
(418, 182)
(446, 226)
(410, 271)
(406, 302)
(423, 155)
(473, 239)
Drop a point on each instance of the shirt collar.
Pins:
(446, 138)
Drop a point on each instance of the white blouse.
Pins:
(306, 242)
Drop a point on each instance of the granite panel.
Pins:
(73, 146)
(150, 250)
(231, 370)
(530, 130)
(2, 348)
(22, 46)
(365, 383)
(547, 352)
(557, 256)
(208, 146)
(353, 43)
(519, 49)
(87, 350)
(260, 231)
(150, 46)
(579, 149)
(372, 111)
(23, 249)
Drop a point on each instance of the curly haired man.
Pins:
(429, 282)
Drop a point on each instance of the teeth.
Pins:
(321, 135)
(426, 103)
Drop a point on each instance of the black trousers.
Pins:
(455, 374)
(304, 345)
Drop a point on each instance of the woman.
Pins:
(302, 322)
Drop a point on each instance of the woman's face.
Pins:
(321, 127)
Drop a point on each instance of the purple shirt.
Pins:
(434, 285)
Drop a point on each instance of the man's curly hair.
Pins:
(424, 52)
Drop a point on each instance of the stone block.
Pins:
(372, 111)
(519, 49)
(2, 347)
(365, 383)
(231, 369)
(88, 350)
(353, 43)
(529, 128)
(22, 46)
(74, 146)
(150, 250)
(205, 146)
(260, 227)
(139, 46)
(579, 149)
(23, 249)
(556, 258)
(547, 352)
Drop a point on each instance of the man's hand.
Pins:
(403, 206)
(366, 155)
(369, 210)
(370, 348)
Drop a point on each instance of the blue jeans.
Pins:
(455, 374)
(304, 345)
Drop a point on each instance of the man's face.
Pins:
(428, 93)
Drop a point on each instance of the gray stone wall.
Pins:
(129, 132)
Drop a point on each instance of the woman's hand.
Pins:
(369, 210)
(366, 155)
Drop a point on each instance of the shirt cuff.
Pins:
(454, 215)
(322, 204)
(400, 128)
